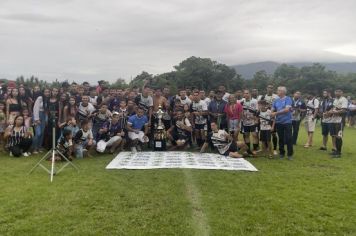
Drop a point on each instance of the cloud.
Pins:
(91, 40)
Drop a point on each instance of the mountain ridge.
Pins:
(248, 70)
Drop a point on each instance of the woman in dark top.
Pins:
(52, 108)
(71, 109)
(19, 138)
(25, 98)
(13, 106)
(63, 101)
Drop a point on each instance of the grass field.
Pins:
(311, 195)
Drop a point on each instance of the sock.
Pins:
(338, 143)
(199, 142)
(248, 148)
(274, 141)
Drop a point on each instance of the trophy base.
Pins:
(159, 145)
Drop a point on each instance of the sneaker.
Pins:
(25, 154)
(275, 152)
(10, 154)
(332, 153)
(337, 155)
(323, 148)
(258, 150)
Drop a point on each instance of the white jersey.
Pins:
(199, 106)
(184, 101)
(93, 100)
(226, 97)
(268, 98)
(312, 104)
(248, 118)
(207, 101)
(219, 140)
(339, 103)
(265, 124)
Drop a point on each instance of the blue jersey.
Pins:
(280, 104)
(137, 122)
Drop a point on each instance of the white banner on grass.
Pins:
(190, 160)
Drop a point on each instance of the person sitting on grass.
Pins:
(19, 138)
(111, 135)
(65, 145)
(135, 125)
(223, 142)
(180, 132)
(84, 140)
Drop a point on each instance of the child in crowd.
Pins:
(266, 125)
(70, 124)
(65, 145)
(84, 140)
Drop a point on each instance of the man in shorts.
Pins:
(249, 124)
(137, 127)
(310, 118)
(339, 109)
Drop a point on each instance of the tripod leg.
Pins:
(68, 162)
(39, 162)
(52, 167)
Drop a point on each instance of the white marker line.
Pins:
(200, 221)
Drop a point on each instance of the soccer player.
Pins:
(137, 127)
(199, 110)
(249, 125)
(223, 142)
(339, 109)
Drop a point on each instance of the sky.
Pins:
(85, 40)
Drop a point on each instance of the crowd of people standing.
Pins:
(86, 119)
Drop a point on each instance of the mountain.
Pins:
(248, 70)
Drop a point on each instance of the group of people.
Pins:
(84, 119)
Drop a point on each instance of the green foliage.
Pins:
(204, 73)
(309, 79)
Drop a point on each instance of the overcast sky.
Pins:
(86, 40)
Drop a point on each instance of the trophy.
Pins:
(159, 131)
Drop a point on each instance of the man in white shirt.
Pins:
(199, 110)
(249, 124)
(337, 113)
(312, 106)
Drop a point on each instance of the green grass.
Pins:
(311, 195)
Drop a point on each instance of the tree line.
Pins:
(206, 74)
